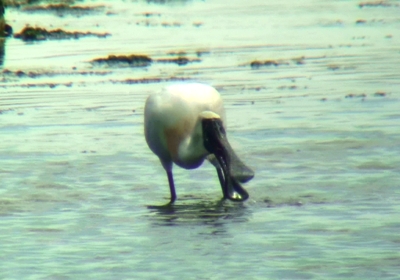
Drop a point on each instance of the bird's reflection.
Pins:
(189, 210)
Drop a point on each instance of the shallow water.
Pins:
(81, 194)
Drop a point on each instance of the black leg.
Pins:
(222, 181)
(171, 186)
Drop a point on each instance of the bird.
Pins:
(185, 124)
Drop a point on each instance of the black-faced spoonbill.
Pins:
(184, 124)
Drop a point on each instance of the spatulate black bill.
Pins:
(232, 169)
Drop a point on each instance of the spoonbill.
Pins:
(184, 124)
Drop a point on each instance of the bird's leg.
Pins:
(171, 186)
(222, 181)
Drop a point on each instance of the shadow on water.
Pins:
(188, 211)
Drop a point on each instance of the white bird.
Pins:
(184, 124)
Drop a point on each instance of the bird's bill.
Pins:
(233, 169)
(231, 187)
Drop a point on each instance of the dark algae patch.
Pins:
(135, 60)
(380, 94)
(7, 74)
(132, 60)
(353, 95)
(377, 4)
(256, 64)
(181, 60)
(39, 34)
(266, 63)
(150, 80)
(62, 9)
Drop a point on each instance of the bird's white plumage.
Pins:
(173, 122)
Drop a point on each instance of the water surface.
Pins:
(81, 195)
